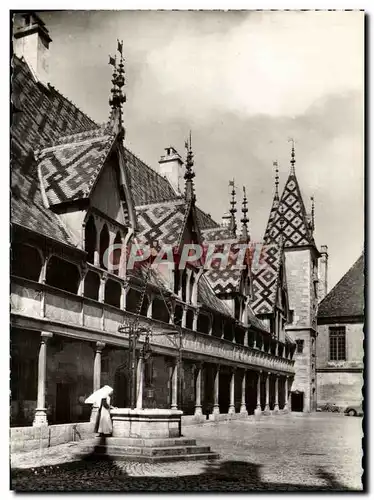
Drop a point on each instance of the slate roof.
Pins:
(70, 167)
(289, 218)
(265, 280)
(346, 299)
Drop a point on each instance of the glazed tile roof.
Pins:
(45, 114)
(27, 208)
(218, 233)
(346, 299)
(162, 222)
(147, 185)
(207, 297)
(265, 280)
(71, 166)
(205, 221)
(289, 218)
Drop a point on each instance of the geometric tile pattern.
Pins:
(290, 219)
(227, 279)
(265, 280)
(70, 169)
(218, 233)
(162, 223)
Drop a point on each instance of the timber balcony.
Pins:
(38, 306)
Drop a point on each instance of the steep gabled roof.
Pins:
(70, 167)
(266, 280)
(289, 218)
(44, 114)
(346, 299)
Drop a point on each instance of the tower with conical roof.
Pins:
(289, 221)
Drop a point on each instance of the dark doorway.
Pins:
(297, 401)
(63, 403)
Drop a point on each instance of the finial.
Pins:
(189, 173)
(118, 98)
(233, 208)
(293, 161)
(275, 164)
(312, 213)
(244, 220)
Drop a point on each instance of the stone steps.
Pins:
(145, 450)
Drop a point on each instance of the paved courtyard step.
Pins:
(144, 450)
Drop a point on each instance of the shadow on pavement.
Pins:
(103, 474)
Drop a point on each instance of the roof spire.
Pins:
(244, 220)
(293, 161)
(189, 173)
(233, 210)
(118, 98)
(312, 213)
(275, 164)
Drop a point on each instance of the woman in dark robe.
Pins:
(104, 425)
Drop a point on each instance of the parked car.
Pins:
(354, 411)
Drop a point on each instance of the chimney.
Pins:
(31, 40)
(171, 167)
(323, 268)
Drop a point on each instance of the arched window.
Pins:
(184, 285)
(92, 285)
(62, 274)
(160, 311)
(90, 239)
(228, 330)
(189, 319)
(26, 262)
(178, 313)
(203, 323)
(192, 282)
(217, 326)
(116, 254)
(113, 293)
(104, 243)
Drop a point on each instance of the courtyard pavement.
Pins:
(295, 452)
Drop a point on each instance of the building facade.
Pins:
(77, 191)
(340, 344)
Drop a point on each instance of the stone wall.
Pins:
(340, 382)
(298, 273)
(339, 388)
(354, 346)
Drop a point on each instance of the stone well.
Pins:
(146, 423)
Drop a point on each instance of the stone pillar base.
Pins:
(266, 410)
(215, 410)
(276, 409)
(243, 410)
(198, 411)
(231, 410)
(258, 411)
(40, 417)
(286, 410)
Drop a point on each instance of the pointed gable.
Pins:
(266, 280)
(290, 219)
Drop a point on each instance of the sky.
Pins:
(243, 82)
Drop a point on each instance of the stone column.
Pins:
(246, 337)
(174, 387)
(285, 408)
(184, 317)
(139, 379)
(216, 392)
(232, 393)
(40, 417)
(276, 402)
(198, 410)
(188, 288)
(267, 405)
(97, 248)
(243, 406)
(172, 310)
(258, 406)
(150, 306)
(97, 366)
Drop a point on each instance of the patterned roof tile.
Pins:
(265, 280)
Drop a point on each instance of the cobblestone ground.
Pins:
(279, 453)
